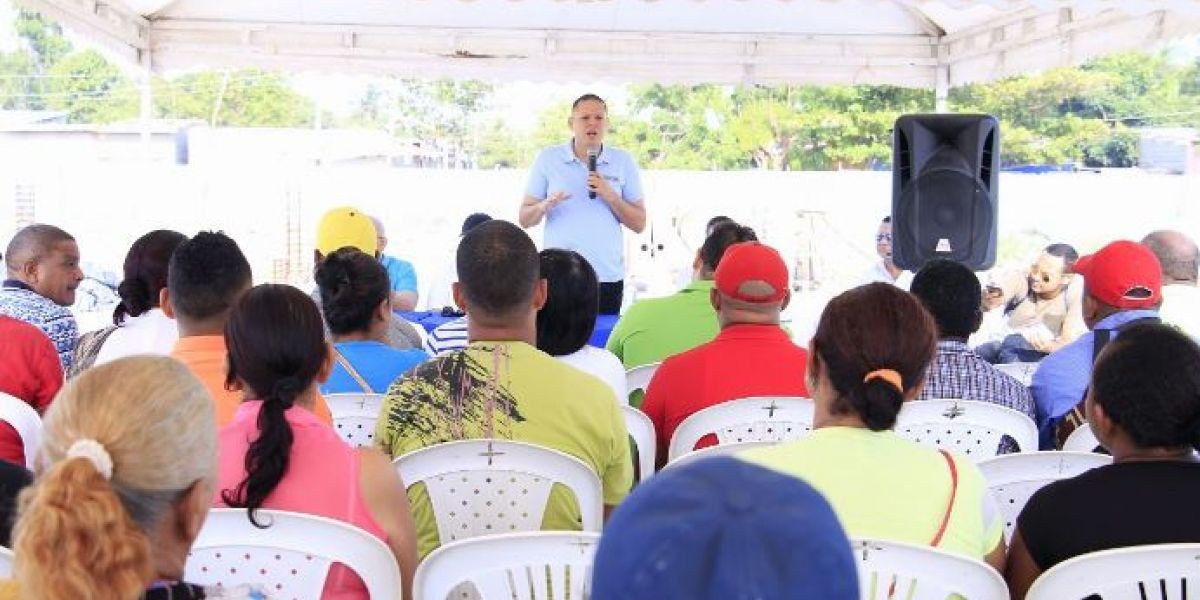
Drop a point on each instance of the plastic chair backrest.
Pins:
(1083, 439)
(1021, 371)
(1159, 572)
(512, 566)
(896, 570)
(718, 450)
(971, 428)
(6, 563)
(641, 429)
(1013, 478)
(488, 486)
(354, 417)
(290, 558)
(758, 419)
(27, 423)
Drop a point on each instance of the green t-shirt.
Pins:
(513, 391)
(654, 329)
(885, 487)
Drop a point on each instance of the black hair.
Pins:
(145, 273)
(868, 328)
(952, 294)
(566, 321)
(588, 98)
(206, 274)
(1147, 381)
(1066, 252)
(721, 238)
(497, 268)
(352, 284)
(276, 349)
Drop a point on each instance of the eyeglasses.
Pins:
(883, 237)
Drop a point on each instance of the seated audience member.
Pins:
(565, 323)
(1051, 315)
(950, 292)
(277, 455)
(206, 276)
(1144, 407)
(654, 329)
(130, 451)
(356, 304)
(348, 227)
(751, 356)
(139, 325)
(30, 372)
(869, 355)
(1122, 286)
(402, 277)
(43, 272)
(451, 335)
(886, 271)
(722, 528)
(502, 386)
(1179, 257)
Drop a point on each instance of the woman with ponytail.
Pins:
(869, 355)
(1143, 404)
(139, 325)
(129, 451)
(276, 454)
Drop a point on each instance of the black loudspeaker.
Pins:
(944, 190)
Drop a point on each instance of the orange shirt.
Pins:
(205, 355)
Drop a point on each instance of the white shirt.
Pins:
(151, 332)
(602, 364)
(1181, 308)
(878, 272)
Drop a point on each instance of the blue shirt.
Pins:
(401, 274)
(583, 224)
(1062, 378)
(375, 362)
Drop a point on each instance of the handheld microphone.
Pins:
(591, 154)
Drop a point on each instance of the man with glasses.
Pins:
(886, 271)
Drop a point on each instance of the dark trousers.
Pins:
(611, 294)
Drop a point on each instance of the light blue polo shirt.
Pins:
(579, 223)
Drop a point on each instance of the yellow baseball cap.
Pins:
(346, 226)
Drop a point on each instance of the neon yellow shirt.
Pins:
(885, 487)
(513, 391)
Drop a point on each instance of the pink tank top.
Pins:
(319, 461)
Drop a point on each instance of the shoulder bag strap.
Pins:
(937, 539)
(362, 383)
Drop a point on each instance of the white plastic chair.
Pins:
(1022, 371)
(6, 563)
(1083, 439)
(965, 426)
(1013, 478)
(1158, 572)
(896, 570)
(27, 423)
(487, 486)
(512, 566)
(641, 428)
(718, 450)
(354, 417)
(638, 378)
(290, 558)
(759, 419)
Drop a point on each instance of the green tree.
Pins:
(90, 89)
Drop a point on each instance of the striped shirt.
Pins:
(957, 372)
(447, 337)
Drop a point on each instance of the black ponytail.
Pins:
(276, 349)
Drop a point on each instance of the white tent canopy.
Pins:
(916, 43)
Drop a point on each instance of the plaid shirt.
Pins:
(957, 372)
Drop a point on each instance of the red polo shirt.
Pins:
(743, 360)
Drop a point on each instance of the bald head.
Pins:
(46, 259)
(1177, 254)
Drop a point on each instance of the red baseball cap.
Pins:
(751, 261)
(1123, 274)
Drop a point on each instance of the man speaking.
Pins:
(586, 191)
